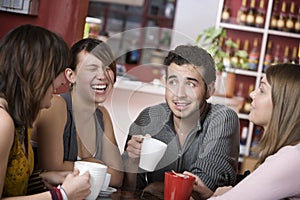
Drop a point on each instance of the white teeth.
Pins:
(181, 104)
(99, 87)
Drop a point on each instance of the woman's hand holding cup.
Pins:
(77, 187)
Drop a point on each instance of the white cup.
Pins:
(151, 153)
(106, 182)
(97, 176)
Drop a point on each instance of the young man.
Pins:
(202, 138)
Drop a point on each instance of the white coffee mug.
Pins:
(97, 176)
(151, 153)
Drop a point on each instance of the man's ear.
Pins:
(70, 75)
(210, 89)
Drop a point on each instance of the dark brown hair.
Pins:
(96, 47)
(31, 57)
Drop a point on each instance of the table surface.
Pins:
(128, 195)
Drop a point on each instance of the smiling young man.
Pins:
(202, 138)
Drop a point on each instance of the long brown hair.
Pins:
(284, 126)
(31, 57)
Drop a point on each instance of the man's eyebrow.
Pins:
(172, 76)
(192, 79)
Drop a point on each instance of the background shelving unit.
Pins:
(265, 34)
(150, 27)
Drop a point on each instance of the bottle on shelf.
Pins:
(132, 55)
(294, 59)
(274, 16)
(234, 60)
(227, 58)
(260, 15)
(250, 20)
(169, 9)
(297, 23)
(244, 61)
(247, 104)
(281, 22)
(255, 141)
(242, 13)
(299, 53)
(226, 13)
(276, 58)
(286, 58)
(268, 59)
(239, 95)
(243, 141)
(291, 19)
(254, 56)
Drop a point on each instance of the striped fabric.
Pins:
(210, 151)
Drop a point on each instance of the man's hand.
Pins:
(134, 145)
(200, 190)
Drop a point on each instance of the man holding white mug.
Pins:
(201, 138)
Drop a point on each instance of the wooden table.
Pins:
(128, 195)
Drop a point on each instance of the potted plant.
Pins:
(211, 39)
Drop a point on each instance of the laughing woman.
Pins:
(77, 126)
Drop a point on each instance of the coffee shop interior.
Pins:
(245, 36)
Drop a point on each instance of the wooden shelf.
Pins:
(265, 34)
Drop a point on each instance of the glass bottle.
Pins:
(248, 100)
(268, 56)
(260, 16)
(239, 93)
(227, 58)
(234, 60)
(239, 96)
(250, 21)
(281, 22)
(243, 61)
(291, 19)
(297, 23)
(276, 59)
(294, 59)
(254, 56)
(243, 141)
(242, 13)
(169, 9)
(274, 16)
(226, 13)
(299, 53)
(286, 58)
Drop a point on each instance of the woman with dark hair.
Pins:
(32, 60)
(81, 126)
(275, 107)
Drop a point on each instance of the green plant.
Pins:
(211, 40)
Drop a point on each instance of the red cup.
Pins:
(177, 187)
